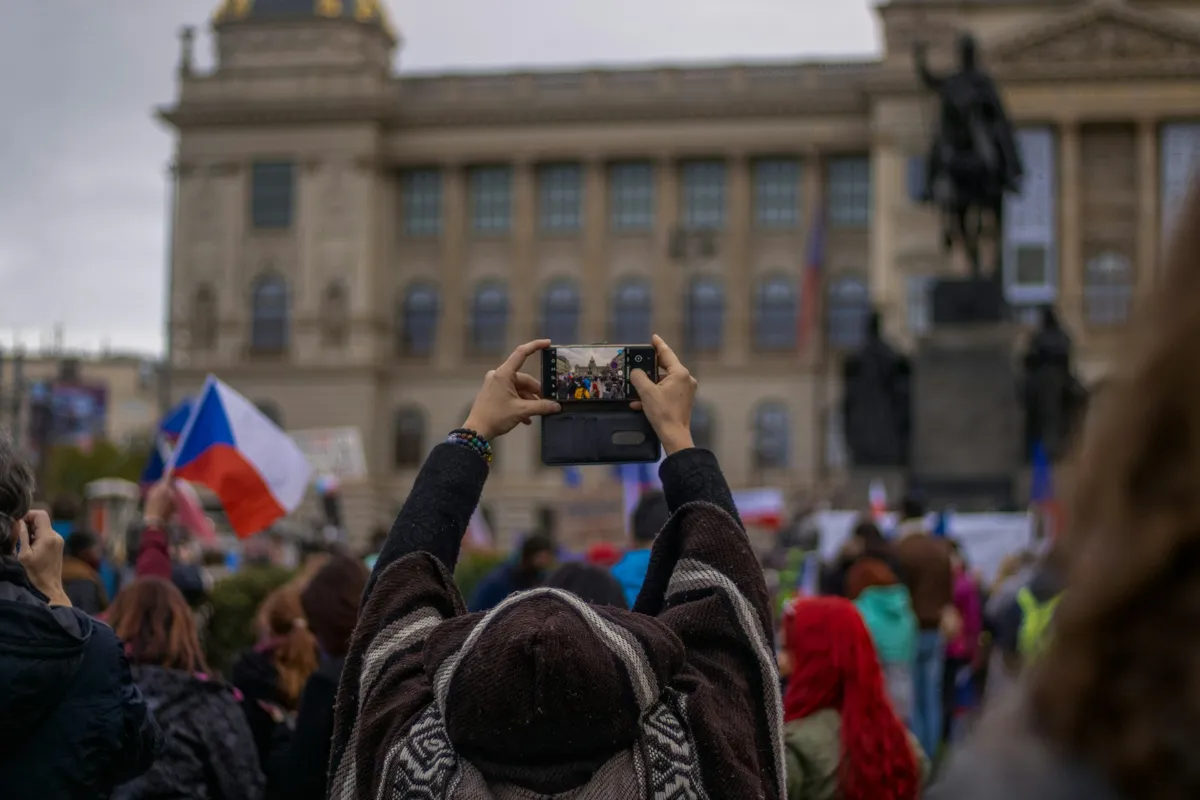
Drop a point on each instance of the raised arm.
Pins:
(931, 81)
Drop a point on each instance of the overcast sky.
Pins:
(83, 164)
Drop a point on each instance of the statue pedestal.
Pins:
(968, 301)
(967, 421)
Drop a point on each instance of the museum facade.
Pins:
(354, 247)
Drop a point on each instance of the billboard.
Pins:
(68, 414)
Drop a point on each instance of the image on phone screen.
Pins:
(595, 373)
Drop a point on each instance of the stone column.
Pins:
(1070, 229)
(735, 255)
(455, 294)
(524, 292)
(1148, 230)
(667, 284)
(596, 293)
(887, 181)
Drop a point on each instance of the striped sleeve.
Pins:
(384, 687)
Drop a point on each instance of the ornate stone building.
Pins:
(356, 246)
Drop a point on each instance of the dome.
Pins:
(370, 11)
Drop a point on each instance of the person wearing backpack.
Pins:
(1021, 626)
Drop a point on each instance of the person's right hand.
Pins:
(42, 556)
(160, 503)
(668, 403)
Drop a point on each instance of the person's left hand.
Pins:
(509, 396)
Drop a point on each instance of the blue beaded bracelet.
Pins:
(473, 440)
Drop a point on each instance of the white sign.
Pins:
(333, 451)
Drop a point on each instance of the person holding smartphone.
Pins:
(72, 722)
(547, 694)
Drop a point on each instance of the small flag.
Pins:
(877, 499)
(809, 584)
(190, 512)
(810, 289)
(168, 433)
(254, 468)
(479, 533)
(572, 477)
(1041, 492)
(761, 508)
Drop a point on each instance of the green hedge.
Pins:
(235, 601)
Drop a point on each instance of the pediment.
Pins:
(1106, 32)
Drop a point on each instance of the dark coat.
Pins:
(299, 763)
(257, 679)
(73, 723)
(209, 752)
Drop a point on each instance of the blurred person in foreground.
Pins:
(649, 517)
(589, 583)
(1111, 707)
(81, 573)
(546, 694)
(886, 608)
(527, 571)
(299, 761)
(209, 751)
(844, 739)
(73, 723)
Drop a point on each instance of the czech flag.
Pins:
(253, 467)
(164, 440)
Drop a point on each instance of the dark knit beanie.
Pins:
(588, 582)
(649, 517)
(330, 602)
(550, 680)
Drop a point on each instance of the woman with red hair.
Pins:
(843, 738)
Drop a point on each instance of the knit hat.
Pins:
(589, 583)
(868, 572)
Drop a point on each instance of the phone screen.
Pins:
(595, 373)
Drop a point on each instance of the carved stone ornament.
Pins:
(1104, 33)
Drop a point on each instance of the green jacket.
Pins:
(813, 748)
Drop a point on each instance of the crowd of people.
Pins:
(663, 670)
(591, 387)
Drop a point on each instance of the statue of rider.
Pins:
(975, 139)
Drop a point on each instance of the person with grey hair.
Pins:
(72, 721)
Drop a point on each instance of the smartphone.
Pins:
(593, 374)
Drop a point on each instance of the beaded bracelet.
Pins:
(473, 440)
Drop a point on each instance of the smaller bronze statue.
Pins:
(876, 406)
(1053, 397)
(973, 159)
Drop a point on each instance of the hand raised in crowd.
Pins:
(42, 556)
(509, 396)
(668, 403)
(160, 503)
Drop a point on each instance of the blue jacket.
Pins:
(493, 588)
(890, 618)
(630, 572)
(73, 723)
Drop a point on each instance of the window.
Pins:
(632, 312)
(419, 319)
(491, 199)
(489, 318)
(269, 315)
(847, 309)
(703, 187)
(1179, 156)
(915, 177)
(771, 436)
(204, 319)
(560, 197)
(270, 409)
(705, 317)
(422, 197)
(775, 314)
(409, 438)
(272, 185)
(335, 316)
(1108, 290)
(1031, 224)
(777, 193)
(919, 291)
(703, 427)
(560, 312)
(631, 196)
(850, 192)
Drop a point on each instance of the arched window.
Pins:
(705, 317)
(271, 410)
(847, 310)
(418, 321)
(269, 315)
(1108, 290)
(409, 437)
(560, 312)
(631, 312)
(775, 314)
(489, 318)
(703, 427)
(335, 315)
(204, 319)
(771, 436)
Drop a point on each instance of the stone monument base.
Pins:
(969, 301)
(967, 426)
